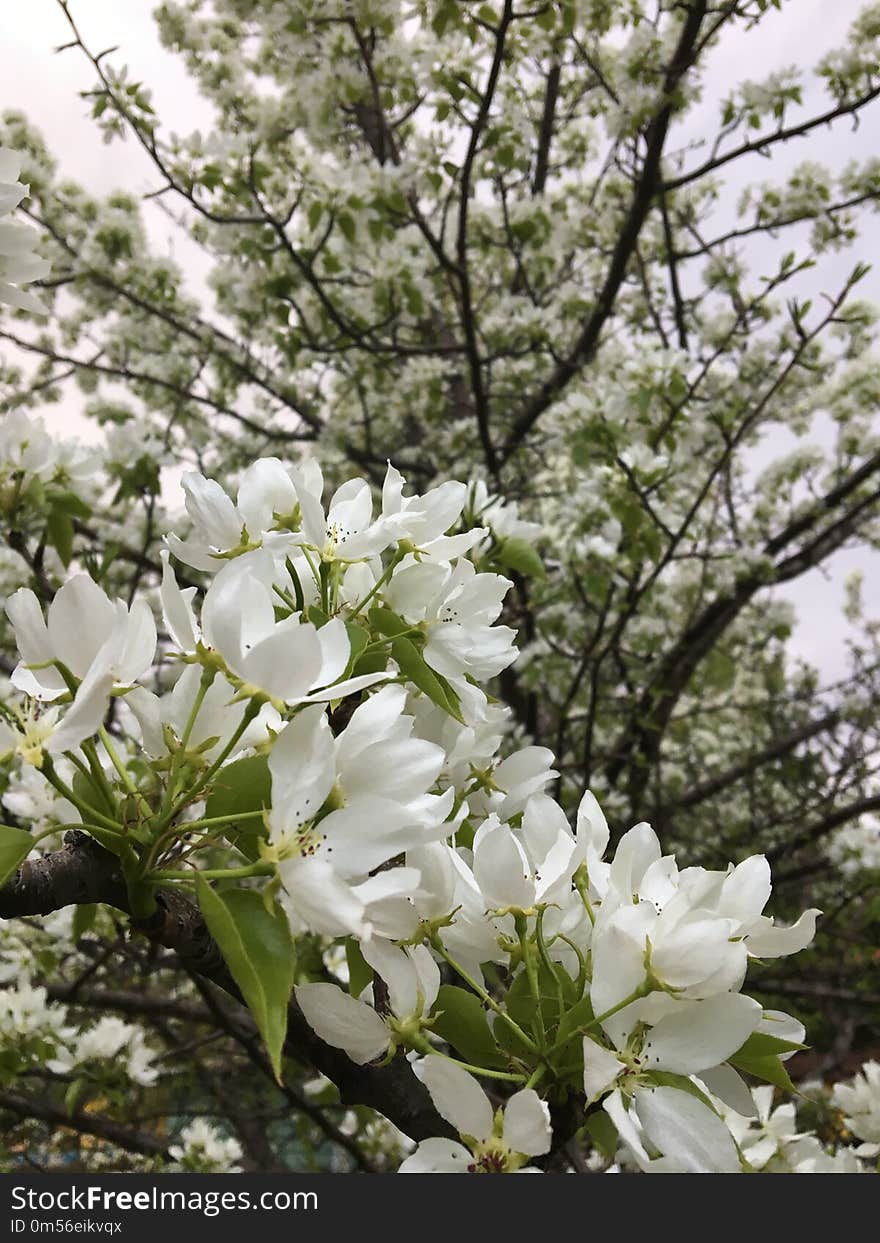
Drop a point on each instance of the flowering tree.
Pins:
(291, 777)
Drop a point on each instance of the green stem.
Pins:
(484, 996)
(80, 804)
(380, 582)
(159, 875)
(144, 807)
(299, 600)
(422, 1046)
(284, 597)
(315, 573)
(581, 886)
(208, 676)
(525, 948)
(124, 774)
(324, 581)
(636, 995)
(547, 961)
(582, 964)
(210, 821)
(94, 773)
(250, 712)
(537, 1075)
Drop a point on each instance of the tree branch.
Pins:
(760, 145)
(83, 872)
(85, 1124)
(585, 347)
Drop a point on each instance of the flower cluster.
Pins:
(35, 1030)
(19, 262)
(203, 1150)
(317, 726)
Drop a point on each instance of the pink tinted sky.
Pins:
(46, 85)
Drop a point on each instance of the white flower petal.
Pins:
(437, 1156)
(303, 770)
(686, 1131)
(700, 1034)
(592, 827)
(601, 1068)
(730, 1087)
(140, 642)
(746, 891)
(335, 651)
(287, 663)
(502, 870)
(769, 940)
(457, 1096)
(81, 618)
(266, 489)
(527, 1123)
(177, 607)
(316, 899)
(393, 966)
(343, 1021)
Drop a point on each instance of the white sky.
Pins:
(45, 86)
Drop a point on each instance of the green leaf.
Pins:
(15, 846)
(580, 1015)
(358, 639)
(720, 670)
(519, 555)
(257, 947)
(760, 1056)
(415, 303)
(767, 1069)
(240, 789)
(387, 622)
(413, 666)
(317, 616)
(348, 226)
(74, 1095)
(360, 973)
(603, 1134)
(84, 919)
(70, 503)
(369, 662)
(762, 1044)
(462, 1021)
(59, 532)
(524, 230)
(546, 18)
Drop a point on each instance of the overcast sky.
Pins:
(46, 85)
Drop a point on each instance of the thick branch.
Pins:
(85, 1124)
(760, 145)
(646, 187)
(84, 872)
(642, 737)
(468, 321)
(774, 751)
(545, 134)
(821, 828)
